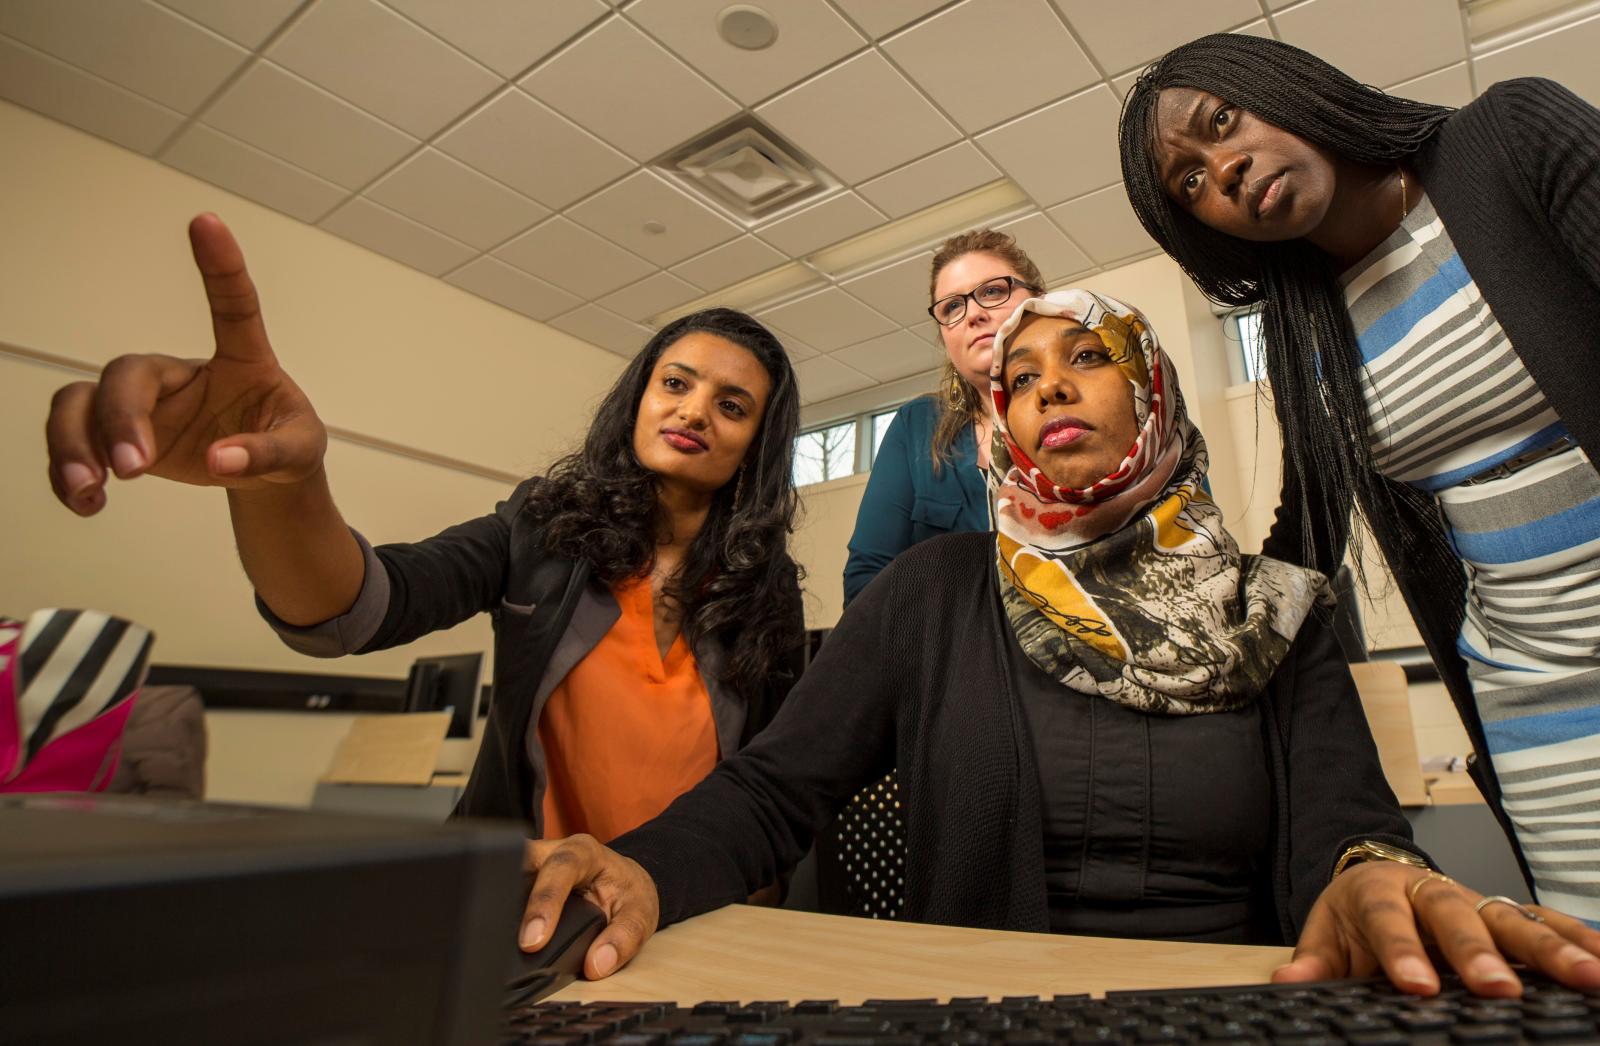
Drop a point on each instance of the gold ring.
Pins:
(1417, 885)
(1522, 909)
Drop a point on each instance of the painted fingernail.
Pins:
(1414, 971)
(1490, 970)
(229, 460)
(532, 932)
(126, 459)
(605, 960)
(76, 477)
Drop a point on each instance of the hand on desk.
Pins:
(1375, 917)
(235, 420)
(617, 885)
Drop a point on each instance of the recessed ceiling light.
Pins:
(747, 27)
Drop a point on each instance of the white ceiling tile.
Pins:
(728, 264)
(1049, 248)
(811, 35)
(929, 180)
(247, 22)
(64, 93)
(397, 236)
(819, 225)
(859, 119)
(277, 111)
(145, 48)
(458, 201)
(1450, 86)
(1378, 41)
(892, 356)
(495, 280)
(829, 319)
(534, 149)
(598, 80)
(899, 291)
(823, 378)
(797, 349)
(1063, 151)
(1103, 223)
(1042, 61)
(1133, 32)
(621, 212)
(506, 35)
(1565, 55)
(882, 17)
(368, 55)
(251, 173)
(573, 258)
(1256, 28)
(605, 329)
(651, 295)
(1124, 83)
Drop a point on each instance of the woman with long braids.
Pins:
(1430, 286)
(927, 478)
(646, 613)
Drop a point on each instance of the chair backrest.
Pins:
(861, 856)
(1382, 686)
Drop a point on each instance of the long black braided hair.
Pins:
(1313, 361)
(599, 504)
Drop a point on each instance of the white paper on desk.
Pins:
(398, 749)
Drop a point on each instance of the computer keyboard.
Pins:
(1366, 1012)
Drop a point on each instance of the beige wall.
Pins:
(95, 263)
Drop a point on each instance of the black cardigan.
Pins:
(1515, 177)
(497, 563)
(915, 678)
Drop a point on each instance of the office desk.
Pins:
(750, 954)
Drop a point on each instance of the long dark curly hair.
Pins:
(593, 505)
(1313, 361)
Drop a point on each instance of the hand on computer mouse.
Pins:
(617, 885)
(1374, 919)
(235, 420)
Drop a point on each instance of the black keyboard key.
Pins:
(714, 1009)
(1560, 1030)
(816, 1006)
(1476, 1033)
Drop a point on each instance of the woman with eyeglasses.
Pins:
(647, 617)
(927, 477)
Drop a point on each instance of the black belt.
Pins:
(1520, 462)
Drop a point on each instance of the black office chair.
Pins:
(861, 856)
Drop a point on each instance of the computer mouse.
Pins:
(536, 974)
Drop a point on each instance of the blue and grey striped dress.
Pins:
(1448, 398)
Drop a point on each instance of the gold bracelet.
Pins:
(1372, 850)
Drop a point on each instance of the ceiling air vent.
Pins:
(747, 169)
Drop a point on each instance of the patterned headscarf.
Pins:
(1130, 587)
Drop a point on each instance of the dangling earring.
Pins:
(955, 390)
(738, 487)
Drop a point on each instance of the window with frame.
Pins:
(841, 448)
(1243, 330)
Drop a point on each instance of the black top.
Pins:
(1154, 826)
(916, 678)
(1515, 177)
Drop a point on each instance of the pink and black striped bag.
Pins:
(68, 681)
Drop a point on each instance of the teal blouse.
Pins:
(906, 501)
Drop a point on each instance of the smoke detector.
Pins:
(747, 27)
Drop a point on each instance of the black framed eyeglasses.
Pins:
(948, 311)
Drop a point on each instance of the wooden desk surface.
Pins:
(749, 954)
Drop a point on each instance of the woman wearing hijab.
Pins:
(646, 614)
(927, 476)
(1430, 288)
(1106, 719)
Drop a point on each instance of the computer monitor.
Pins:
(135, 921)
(446, 684)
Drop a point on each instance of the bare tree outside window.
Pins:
(825, 454)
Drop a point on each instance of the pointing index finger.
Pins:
(235, 310)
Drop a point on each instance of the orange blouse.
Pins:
(627, 731)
